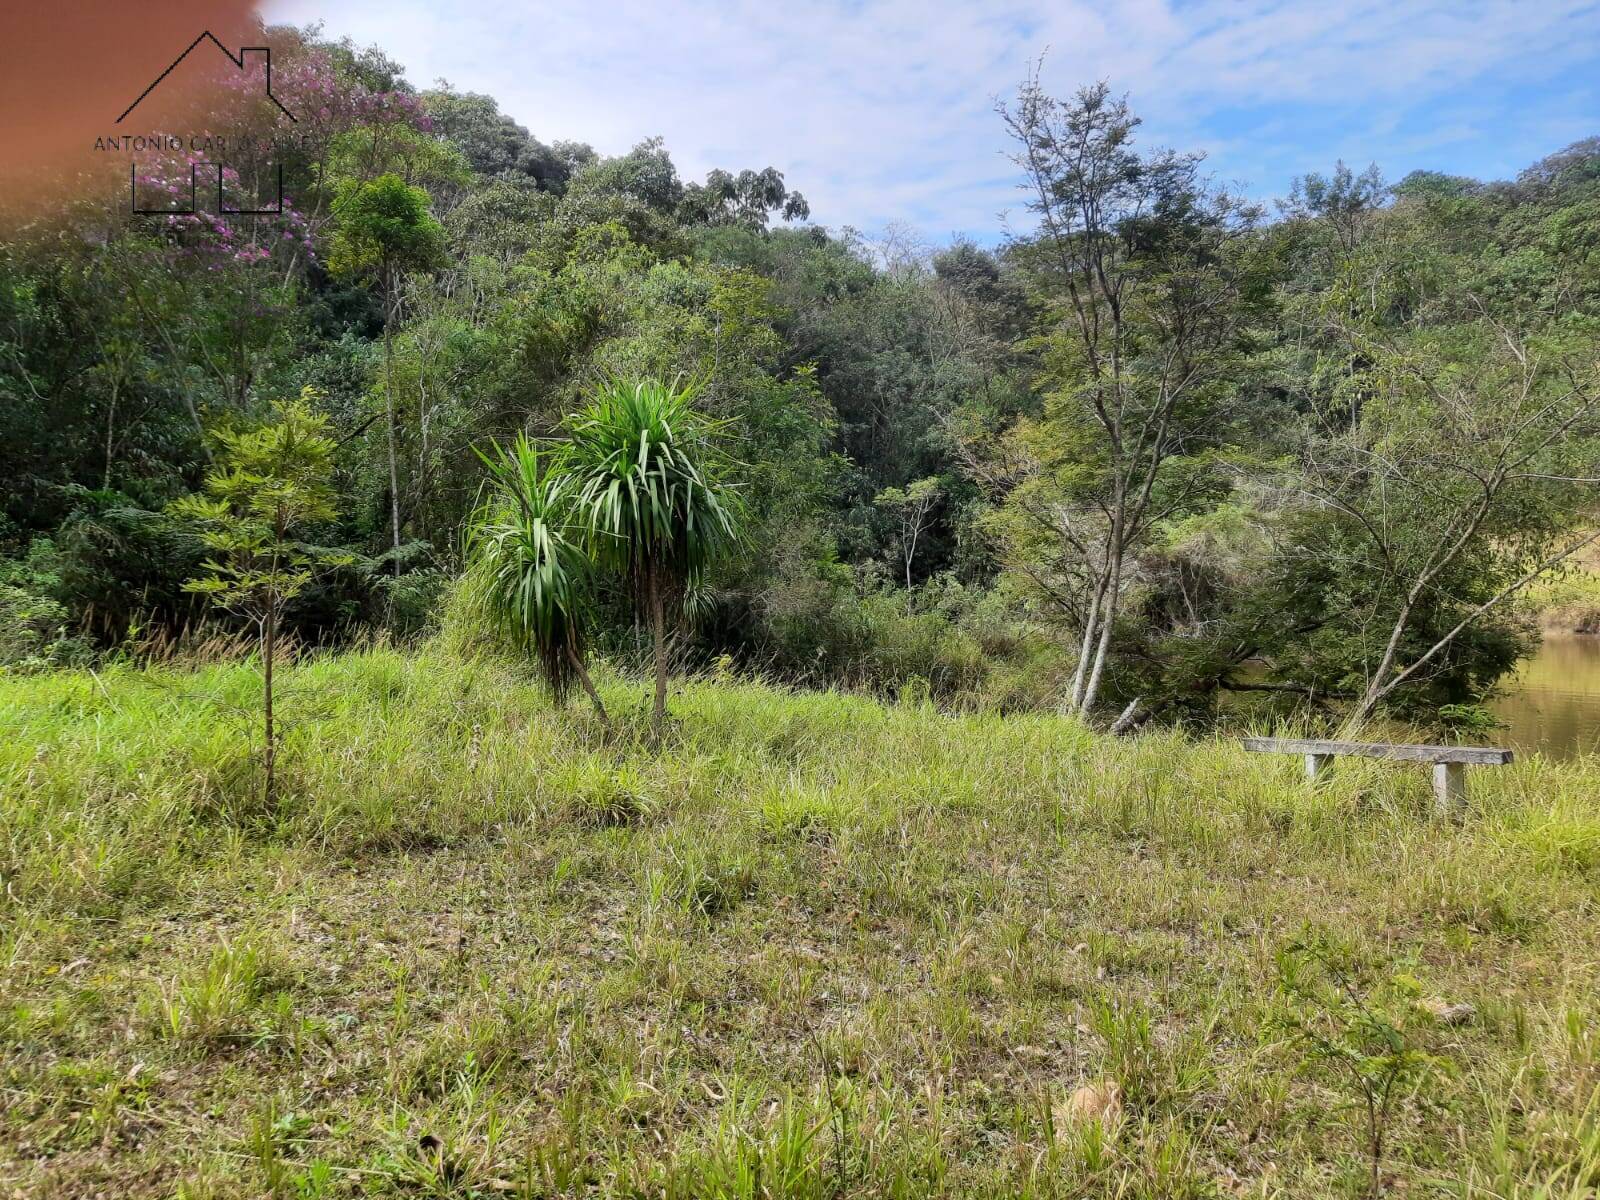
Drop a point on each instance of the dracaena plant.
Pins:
(529, 570)
(649, 496)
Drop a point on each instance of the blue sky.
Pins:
(881, 111)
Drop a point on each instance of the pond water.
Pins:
(1552, 705)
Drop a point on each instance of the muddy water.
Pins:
(1553, 703)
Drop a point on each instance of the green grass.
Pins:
(819, 947)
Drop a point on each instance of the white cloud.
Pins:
(881, 110)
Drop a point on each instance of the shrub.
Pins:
(34, 623)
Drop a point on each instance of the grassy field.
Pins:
(819, 947)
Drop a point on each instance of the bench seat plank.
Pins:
(1478, 755)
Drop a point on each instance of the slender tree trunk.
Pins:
(111, 430)
(269, 639)
(420, 487)
(909, 544)
(1108, 621)
(199, 428)
(588, 685)
(1091, 630)
(1376, 688)
(388, 401)
(658, 621)
(1375, 1118)
(172, 351)
(1116, 544)
(1129, 719)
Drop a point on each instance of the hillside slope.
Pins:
(820, 947)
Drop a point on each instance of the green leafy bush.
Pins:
(35, 631)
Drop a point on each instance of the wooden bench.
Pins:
(1449, 762)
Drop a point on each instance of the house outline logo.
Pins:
(238, 60)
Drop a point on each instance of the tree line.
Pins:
(1165, 454)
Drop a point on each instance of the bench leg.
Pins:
(1316, 764)
(1449, 788)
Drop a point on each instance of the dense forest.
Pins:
(1163, 453)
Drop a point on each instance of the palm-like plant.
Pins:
(644, 472)
(527, 573)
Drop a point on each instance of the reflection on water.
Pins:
(1553, 703)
